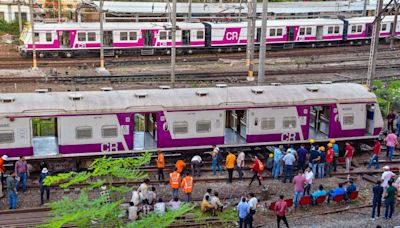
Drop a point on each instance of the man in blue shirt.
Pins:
(320, 192)
(335, 148)
(335, 192)
(243, 210)
(351, 188)
(278, 154)
(377, 199)
(314, 158)
(289, 159)
(302, 157)
(321, 165)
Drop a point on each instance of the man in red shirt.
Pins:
(329, 159)
(375, 154)
(349, 156)
(257, 169)
(280, 209)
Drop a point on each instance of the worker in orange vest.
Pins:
(160, 165)
(174, 182)
(187, 186)
(180, 166)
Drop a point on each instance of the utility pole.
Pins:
(34, 63)
(366, 2)
(173, 43)
(189, 18)
(263, 44)
(101, 17)
(19, 17)
(59, 11)
(251, 22)
(374, 43)
(393, 35)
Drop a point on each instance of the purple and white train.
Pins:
(116, 122)
(72, 39)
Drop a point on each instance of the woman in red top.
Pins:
(257, 169)
(349, 156)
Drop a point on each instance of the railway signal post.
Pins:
(263, 44)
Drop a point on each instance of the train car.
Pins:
(78, 123)
(360, 28)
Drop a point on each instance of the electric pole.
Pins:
(19, 17)
(101, 17)
(374, 43)
(173, 43)
(189, 19)
(366, 2)
(59, 11)
(263, 44)
(251, 25)
(34, 63)
(393, 35)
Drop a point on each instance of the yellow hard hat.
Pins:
(332, 141)
(312, 141)
(330, 145)
(271, 155)
(322, 148)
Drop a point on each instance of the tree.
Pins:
(388, 95)
(86, 212)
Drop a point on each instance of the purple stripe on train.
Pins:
(17, 152)
(87, 148)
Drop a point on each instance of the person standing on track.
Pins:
(243, 210)
(336, 151)
(375, 154)
(329, 159)
(348, 156)
(299, 182)
(12, 190)
(390, 119)
(174, 183)
(215, 156)
(253, 201)
(314, 159)
(44, 188)
(280, 209)
(22, 170)
(2, 172)
(160, 165)
(240, 164)
(230, 165)
(257, 169)
(389, 200)
(302, 157)
(196, 165)
(391, 143)
(187, 186)
(276, 170)
(289, 160)
(321, 164)
(309, 175)
(387, 175)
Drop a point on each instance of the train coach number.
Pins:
(289, 136)
(109, 147)
(232, 35)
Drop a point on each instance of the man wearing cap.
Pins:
(329, 159)
(321, 165)
(302, 157)
(12, 190)
(387, 175)
(2, 171)
(44, 188)
(335, 148)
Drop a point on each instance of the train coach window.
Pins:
(272, 32)
(384, 27)
(123, 36)
(359, 28)
(279, 32)
(337, 29)
(180, 127)
(81, 36)
(132, 35)
(330, 30)
(83, 133)
(48, 37)
(6, 137)
(91, 36)
(200, 35)
(37, 37)
(302, 31)
(203, 126)
(110, 131)
(289, 122)
(309, 31)
(348, 119)
(163, 35)
(267, 123)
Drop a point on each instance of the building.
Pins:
(9, 10)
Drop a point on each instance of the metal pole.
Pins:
(19, 17)
(366, 2)
(393, 35)
(374, 43)
(190, 11)
(34, 63)
(251, 19)
(173, 44)
(263, 44)
(101, 36)
(59, 11)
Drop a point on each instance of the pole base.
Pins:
(35, 68)
(103, 71)
(250, 79)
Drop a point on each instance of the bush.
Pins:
(9, 27)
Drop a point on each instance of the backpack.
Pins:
(260, 166)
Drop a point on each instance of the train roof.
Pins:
(361, 20)
(150, 100)
(114, 25)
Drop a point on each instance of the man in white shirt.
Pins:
(386, 176)
(132, 212)
(252, 209)
(309, 175)
(174, 204)
(208, 193)
(159, 208)
(289, 161)
(240, 164)
(196, 164)
(216, 202)
(152, 196)
(143, 190)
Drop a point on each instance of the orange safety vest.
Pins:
(160, 161)
(187, 184)
(2, 169)
(174, 179)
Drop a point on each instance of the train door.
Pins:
(235, 126)
(319, 122)
(108, 39)
(148, 38)
(185, 37)
(320, 32)
(290, 33)
(64, 38)
(44, 136)
(369, 30)
(145, 135)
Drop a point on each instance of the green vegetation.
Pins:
(388, 94)
(9, 27)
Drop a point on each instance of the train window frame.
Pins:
(91, 36)
(279, 32)
(266, 123)
(330, 30)
(82, 128)
(359, 28)
(132, 35)
(180, 124)
(302, 31)
(107, 127)
(12, 138)
(163, 35)
(384, 27)
(336, 29)
(49, 37)
(345, 119)
(286, 122)
(81, 36)
(272, 32)
(203, 122)
(200, 35)
(123, 36)
(37, 37)
(308, 31)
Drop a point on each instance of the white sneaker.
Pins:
(373, 219)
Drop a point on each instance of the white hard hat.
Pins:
(44, 170)
(386, 167)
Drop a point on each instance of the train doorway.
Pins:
(44, 136)
(290, 33)
(319, 122)
(369, 30)
(185, 37)
(108, 39)
(235, 127)
(145, 135)
(64, 38)
(148, 38)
